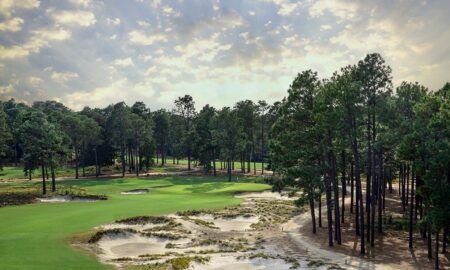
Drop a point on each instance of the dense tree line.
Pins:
(352, 135)
(48, 135)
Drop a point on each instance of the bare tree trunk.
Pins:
(137, 161)
(44, 188)
(320, 209)
(429, 236)
(436, 252)
(123, 160)
(96, 163)
(337, 219)
(360, 207)
(214, 162)
(403, 188)
(53, 174)
(411, 210)
(407, 184)
(352, 187)
(229, 169)
(313, 213)
(189, 159)
(328, 200)
(344, 186)
(445, 239)
(16, 154)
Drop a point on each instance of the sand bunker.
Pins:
(69, 199)
(227, 262)
(244, 237)
(135, 191)
(265, 195)
(238, 223)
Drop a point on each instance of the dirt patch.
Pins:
(390, 249)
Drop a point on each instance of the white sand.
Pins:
(65, 199)
(230, 262)
(239, 223)
(266, 195)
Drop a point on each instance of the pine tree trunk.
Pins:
(328, 201)
(411, 211)
(407, 184)
(189, 159)
(352, 187)
(214, 162)
(313, 213)
(16, 155)
(344, 186)
(137, 161)
(337, 219)
(369, 176)
(123, 160)
(436, 251)
(380, 191)
(229, 169)
(96, 163)
(400, 180)
(320, 210)
(44, 188)
(52, 170)
(76, 163)
(360, 206)
(403, 188)
(429, 236)
(445, 239)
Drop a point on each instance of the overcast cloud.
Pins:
(94, 53)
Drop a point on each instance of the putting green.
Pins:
(36, 236)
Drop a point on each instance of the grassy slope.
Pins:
(35, 236)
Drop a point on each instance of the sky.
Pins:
(98, 52)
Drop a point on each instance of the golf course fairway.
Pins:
(36, 236)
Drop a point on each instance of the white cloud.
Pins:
(169, 11)
(39, 38)
(13, 52)
(12, 25)
(35, 81)
(74, 17)
(139, 37)
(115, 21)
(9, 6)
(6, 89)
(83, 3)
(143, 23)
(339, 8)
(325, 27)
(125, 62)
(61, 77)
(286, 7)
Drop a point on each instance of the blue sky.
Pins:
(94, 53)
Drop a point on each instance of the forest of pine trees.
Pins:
(353, 135)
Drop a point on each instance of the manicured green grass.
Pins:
(17, 172)
(36, 236)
